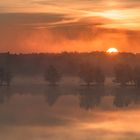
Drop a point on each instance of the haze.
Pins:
(69, 25)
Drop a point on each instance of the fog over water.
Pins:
(30, 109)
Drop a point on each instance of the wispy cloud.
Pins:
(124, 13)
(75, 23)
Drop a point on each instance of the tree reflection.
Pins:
(126, 96)
(52, 95)
(90, 97)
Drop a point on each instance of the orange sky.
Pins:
(69, 25)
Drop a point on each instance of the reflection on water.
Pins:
(89, 97)
(41, 112)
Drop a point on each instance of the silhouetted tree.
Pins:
(123, 74)
(99, 75)
(52, 75)
(87, 73)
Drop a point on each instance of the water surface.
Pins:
(31, 110)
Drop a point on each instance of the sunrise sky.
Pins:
(69, 25)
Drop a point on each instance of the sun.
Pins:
(112, 50)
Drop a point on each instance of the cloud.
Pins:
(58, 32)
(29, 32)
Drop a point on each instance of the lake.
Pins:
(32, 110)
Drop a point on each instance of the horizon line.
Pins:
(105, 52)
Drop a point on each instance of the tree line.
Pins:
(124, 75)
(92, 68)
(67, 62)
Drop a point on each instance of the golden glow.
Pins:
(67, 23)
(112, 14)
(112, 50)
